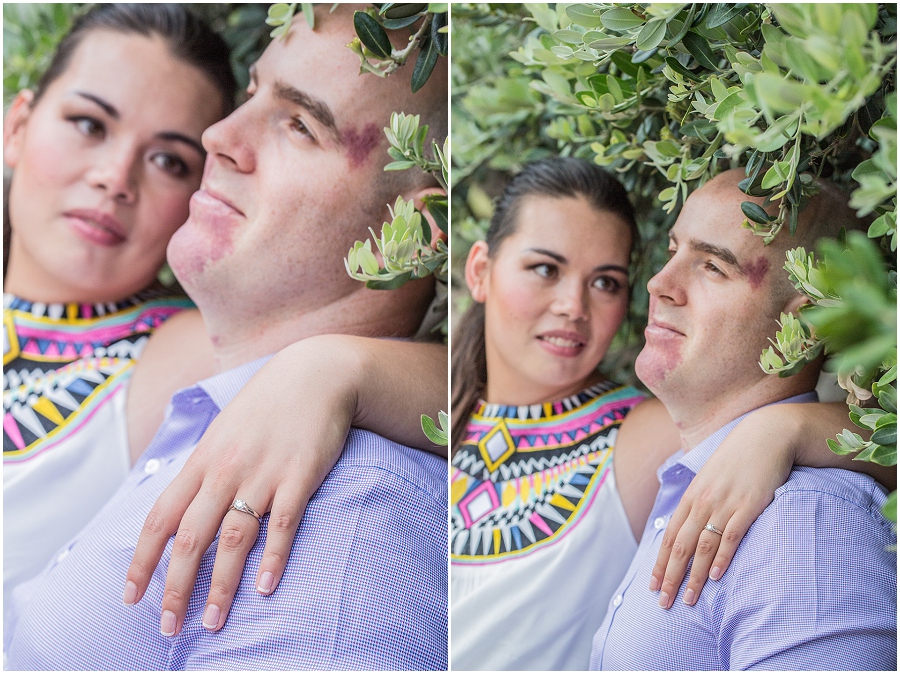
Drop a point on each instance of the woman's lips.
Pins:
(566, 344)
(96, 227)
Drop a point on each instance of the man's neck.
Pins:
(698, 417)
(241, 339)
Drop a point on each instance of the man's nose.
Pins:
(228, 140)
(667, 284)
(115, 173)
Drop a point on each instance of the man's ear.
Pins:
(419, 201)
(477, 270)
(14, 126)
(794, 302)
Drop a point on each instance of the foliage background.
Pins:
(669, 95)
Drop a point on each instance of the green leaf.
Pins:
(620, 19)
(721, 13)
(432, 432)
(402, 10)
(651, 35)
(371, 34)
(583, 15)
(756, 213)
(698, 47)
(396, 24)
(309, 14)
(428, 56)
(390, 284)
(675, 65)
(886, 435)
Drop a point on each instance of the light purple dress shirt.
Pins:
(365, 586)
(813, 585)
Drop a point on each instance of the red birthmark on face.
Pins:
(360, 145)
(756, 271)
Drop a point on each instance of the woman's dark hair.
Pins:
(189, 39)
(558, 177)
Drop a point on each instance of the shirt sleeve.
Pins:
(816, 588)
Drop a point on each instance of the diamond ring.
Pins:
(710, 527)
(241, 505)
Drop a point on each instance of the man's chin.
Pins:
(654, 367)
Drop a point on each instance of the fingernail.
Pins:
(265, 582)
(664, 599)
(167, 624)
(689, 597)
(211, 617)
(654, 584)
(130, 594)
(715, 573)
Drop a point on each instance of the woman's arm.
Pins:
(275, 450)
(738, 483)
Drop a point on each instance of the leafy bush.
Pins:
(668, 95)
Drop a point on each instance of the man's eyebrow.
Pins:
(722, 253)
(108, 108)
(319, 110)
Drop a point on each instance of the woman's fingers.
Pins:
(282, 528)
(683, 543)
(238, 535)
(161, 524)
(708, 545)
(195, 534)
(676, 521)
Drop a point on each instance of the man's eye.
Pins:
(298, 126)
(171, 164)
(671, 252)
(88, 126)
(709, 266)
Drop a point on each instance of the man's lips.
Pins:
(210, 198)
(562, 342)
(96, 226)
(661, 329)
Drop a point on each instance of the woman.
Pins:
(553, 476)
(106, 154)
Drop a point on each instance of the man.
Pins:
(292, 178)
(813, 583)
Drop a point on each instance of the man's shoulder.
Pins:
(372, 453)
(817, 505)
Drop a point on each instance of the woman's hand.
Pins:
(738, 483)
(729, 492)
(272, 447)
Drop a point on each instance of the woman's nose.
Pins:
(116, 174)
(571, 301)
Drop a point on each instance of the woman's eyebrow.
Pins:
(549, 253)
(108, 108)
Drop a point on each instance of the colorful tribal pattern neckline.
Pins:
(60, 361)
(525, 475)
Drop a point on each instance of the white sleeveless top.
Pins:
(539, 537)
(65, 443)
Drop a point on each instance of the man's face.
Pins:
(714, 304)
(293, 177)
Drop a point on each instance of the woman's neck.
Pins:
(530, 393)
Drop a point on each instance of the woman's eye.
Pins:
(171, 164)
(88, 126)
(608, 284)
(544, 270)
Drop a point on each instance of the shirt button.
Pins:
(659, 522)
(151, 466)
(617, 600)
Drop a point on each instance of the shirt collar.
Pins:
(223, 387)
(695, 459)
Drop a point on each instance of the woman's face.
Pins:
(104, 166)
(555, 294)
